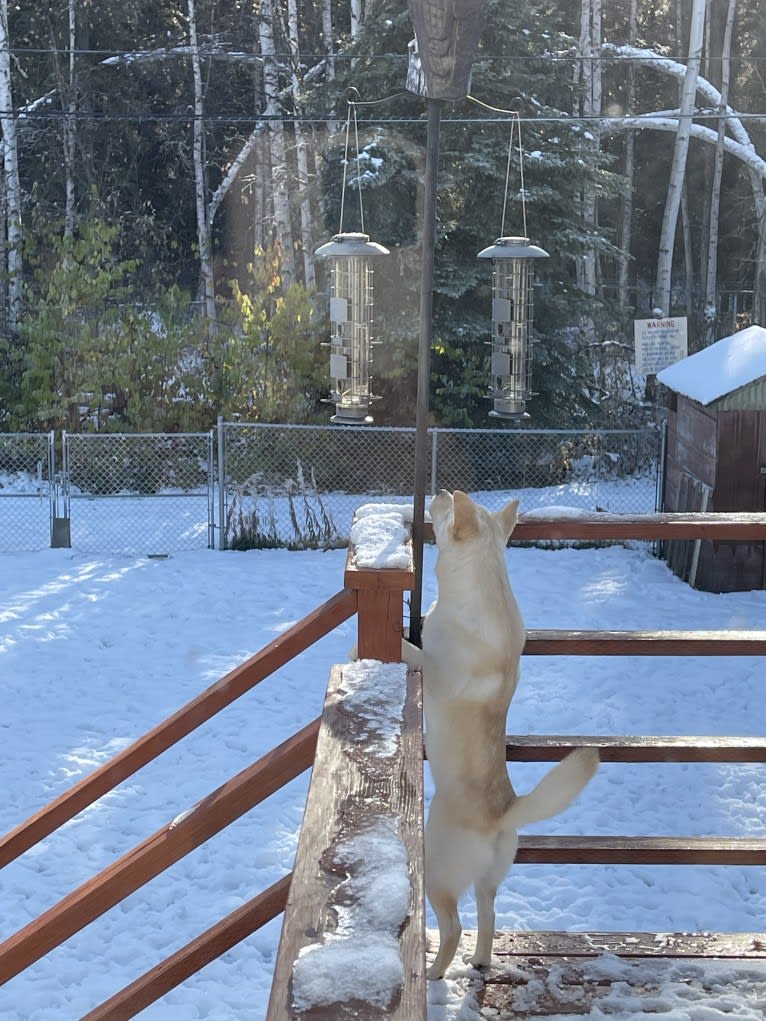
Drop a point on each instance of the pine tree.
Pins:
(515, 68)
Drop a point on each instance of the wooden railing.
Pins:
(377, 597)
(178, 837)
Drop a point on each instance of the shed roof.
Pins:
(718, 370)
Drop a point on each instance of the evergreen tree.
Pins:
(513, 70)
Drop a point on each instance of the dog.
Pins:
(473, 636)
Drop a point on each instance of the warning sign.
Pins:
(659, 343)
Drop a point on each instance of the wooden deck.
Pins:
(602, 974)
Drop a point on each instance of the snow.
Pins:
(362, 960)
(331, 973)
(720, 369)
(379, 536)
(97, 649)
(374, 693)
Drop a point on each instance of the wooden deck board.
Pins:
(544, 974)
(638, 748)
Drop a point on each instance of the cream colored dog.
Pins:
(473, 637)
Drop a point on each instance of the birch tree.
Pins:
(626, 204)
(301, 149)
(680, 152)
(739, 146)
(204, 232)
(588, 83)
(70, 126)
(276, 135)
(711, 264)
(12, 185)
(327, 36)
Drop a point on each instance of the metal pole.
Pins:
(434, 108)
(221, 485)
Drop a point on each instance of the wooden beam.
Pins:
(219, 695)
(726, 945)
(194, 956)
(641, 850)
(559, 974)
(350, 789)
(739, 527)
(572, 642)
(158, 852)
(552, 748)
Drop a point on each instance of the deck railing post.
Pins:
(380, 607)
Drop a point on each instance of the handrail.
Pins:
(158, 852)
(563, 642)
(553, 747)
(238, 681)
(723, 527)
(636, 850)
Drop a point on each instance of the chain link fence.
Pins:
(261, 486)
(298, 486)
(27, 492)
(138, 493)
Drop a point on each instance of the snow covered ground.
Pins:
(96, 649)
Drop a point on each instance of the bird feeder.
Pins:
(512, 315)
(351, 308)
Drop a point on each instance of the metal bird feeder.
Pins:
(512, 316)
(351, 321)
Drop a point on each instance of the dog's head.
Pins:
(457, 520)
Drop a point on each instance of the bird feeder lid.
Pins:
(351, 244)
(512, 248)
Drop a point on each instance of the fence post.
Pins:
(211, 543)
(61, 528)
(221, 485)
(434, 445)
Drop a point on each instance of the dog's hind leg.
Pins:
(444, 904)
(485, 887)
(485, 910)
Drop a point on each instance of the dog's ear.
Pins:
(465, 518)
(509, 516)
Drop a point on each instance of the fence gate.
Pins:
(27, 490)
(138, 493)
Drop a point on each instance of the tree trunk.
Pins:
(680, 152)
(327, 33)
(626, 217)
(13, 237)
(711, 267)
(282, 234)
(590, 107)
(356, 18)
(204, 238)
(301, 151)
(70, 127)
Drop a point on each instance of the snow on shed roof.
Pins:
(725, 366)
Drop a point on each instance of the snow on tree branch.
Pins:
(651, 58)
(662, 122)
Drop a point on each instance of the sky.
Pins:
(96, 649)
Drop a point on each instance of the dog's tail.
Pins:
(557, 789)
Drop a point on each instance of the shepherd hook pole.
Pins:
(434, 108)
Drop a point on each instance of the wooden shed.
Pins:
(716, 455)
